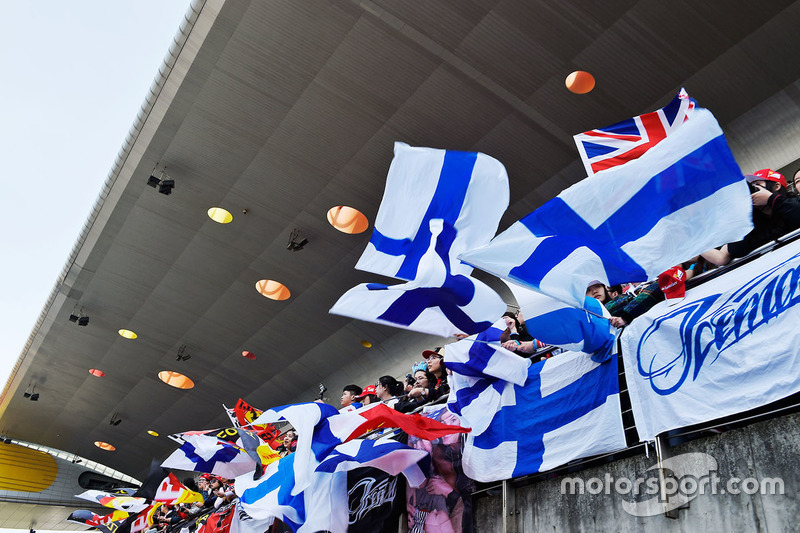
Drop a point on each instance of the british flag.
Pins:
(624, 141)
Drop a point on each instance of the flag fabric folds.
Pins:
(171, 491)
(304, 418)
(88, 518)
(385, 454)
(684, 196)
(615, 145)
(121, 503)
(352, 424)
(322, 505)
(481, 368)
(555, 323)
(204, 453)
(467, 191)
(321, 428)
(436, 302)
(567, 409)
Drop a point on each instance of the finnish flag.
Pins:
(568, 408)
(481, 368)
(437, 301)
(467, 191)
(684, 196)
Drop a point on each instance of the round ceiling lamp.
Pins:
(220, 215)
(98, 373)
(273, 290)
(580, 82)
(128, 334)
(248, 355)
(175, 379)
(366, 344)
(347, 219)
(152, 433)
(105, 446)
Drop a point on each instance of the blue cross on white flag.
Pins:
(304, 418)
(204, 453)
(555, 323)
(435, 302)
(682, 197)
(468, 191)
(567, 409)
(481, 368)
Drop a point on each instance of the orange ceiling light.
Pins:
(175, 379)
(105, 446)
(273, 290)
(128, 334)
(248, 355)
(366, 344)
(98, 373)
(580, 82)
(152, 433)
(220, 215)
(347, 219)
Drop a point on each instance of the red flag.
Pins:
(172, 491)
(382, 416)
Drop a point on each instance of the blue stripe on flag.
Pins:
(532, 416)
(226, 454)
(283, 480)
(709, 168)
(447, 201)
(593, 149)
(466, 395)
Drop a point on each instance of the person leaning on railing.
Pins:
(774, 215)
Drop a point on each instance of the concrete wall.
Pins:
(769, 449)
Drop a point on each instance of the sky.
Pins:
(74, 76)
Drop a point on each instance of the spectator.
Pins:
(420, 394)
(202, 485)
(217, 493)
(367, 395)
(348, 400)
(598, 290)
(435, 362)
(795, 189)
(774, 215)
(387, 389)
(289, 444)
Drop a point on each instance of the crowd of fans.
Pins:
(776, 211)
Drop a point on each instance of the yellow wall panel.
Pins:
(26, 470)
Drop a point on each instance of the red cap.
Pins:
(369, 389)
(767, 174)
(672, 283)
(430, 353)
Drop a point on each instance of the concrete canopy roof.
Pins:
(286, 109)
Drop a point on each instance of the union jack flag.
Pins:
(624, 141)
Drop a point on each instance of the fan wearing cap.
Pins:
(772, 197)
(435, 362)
(774, 215)
(367, 395)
